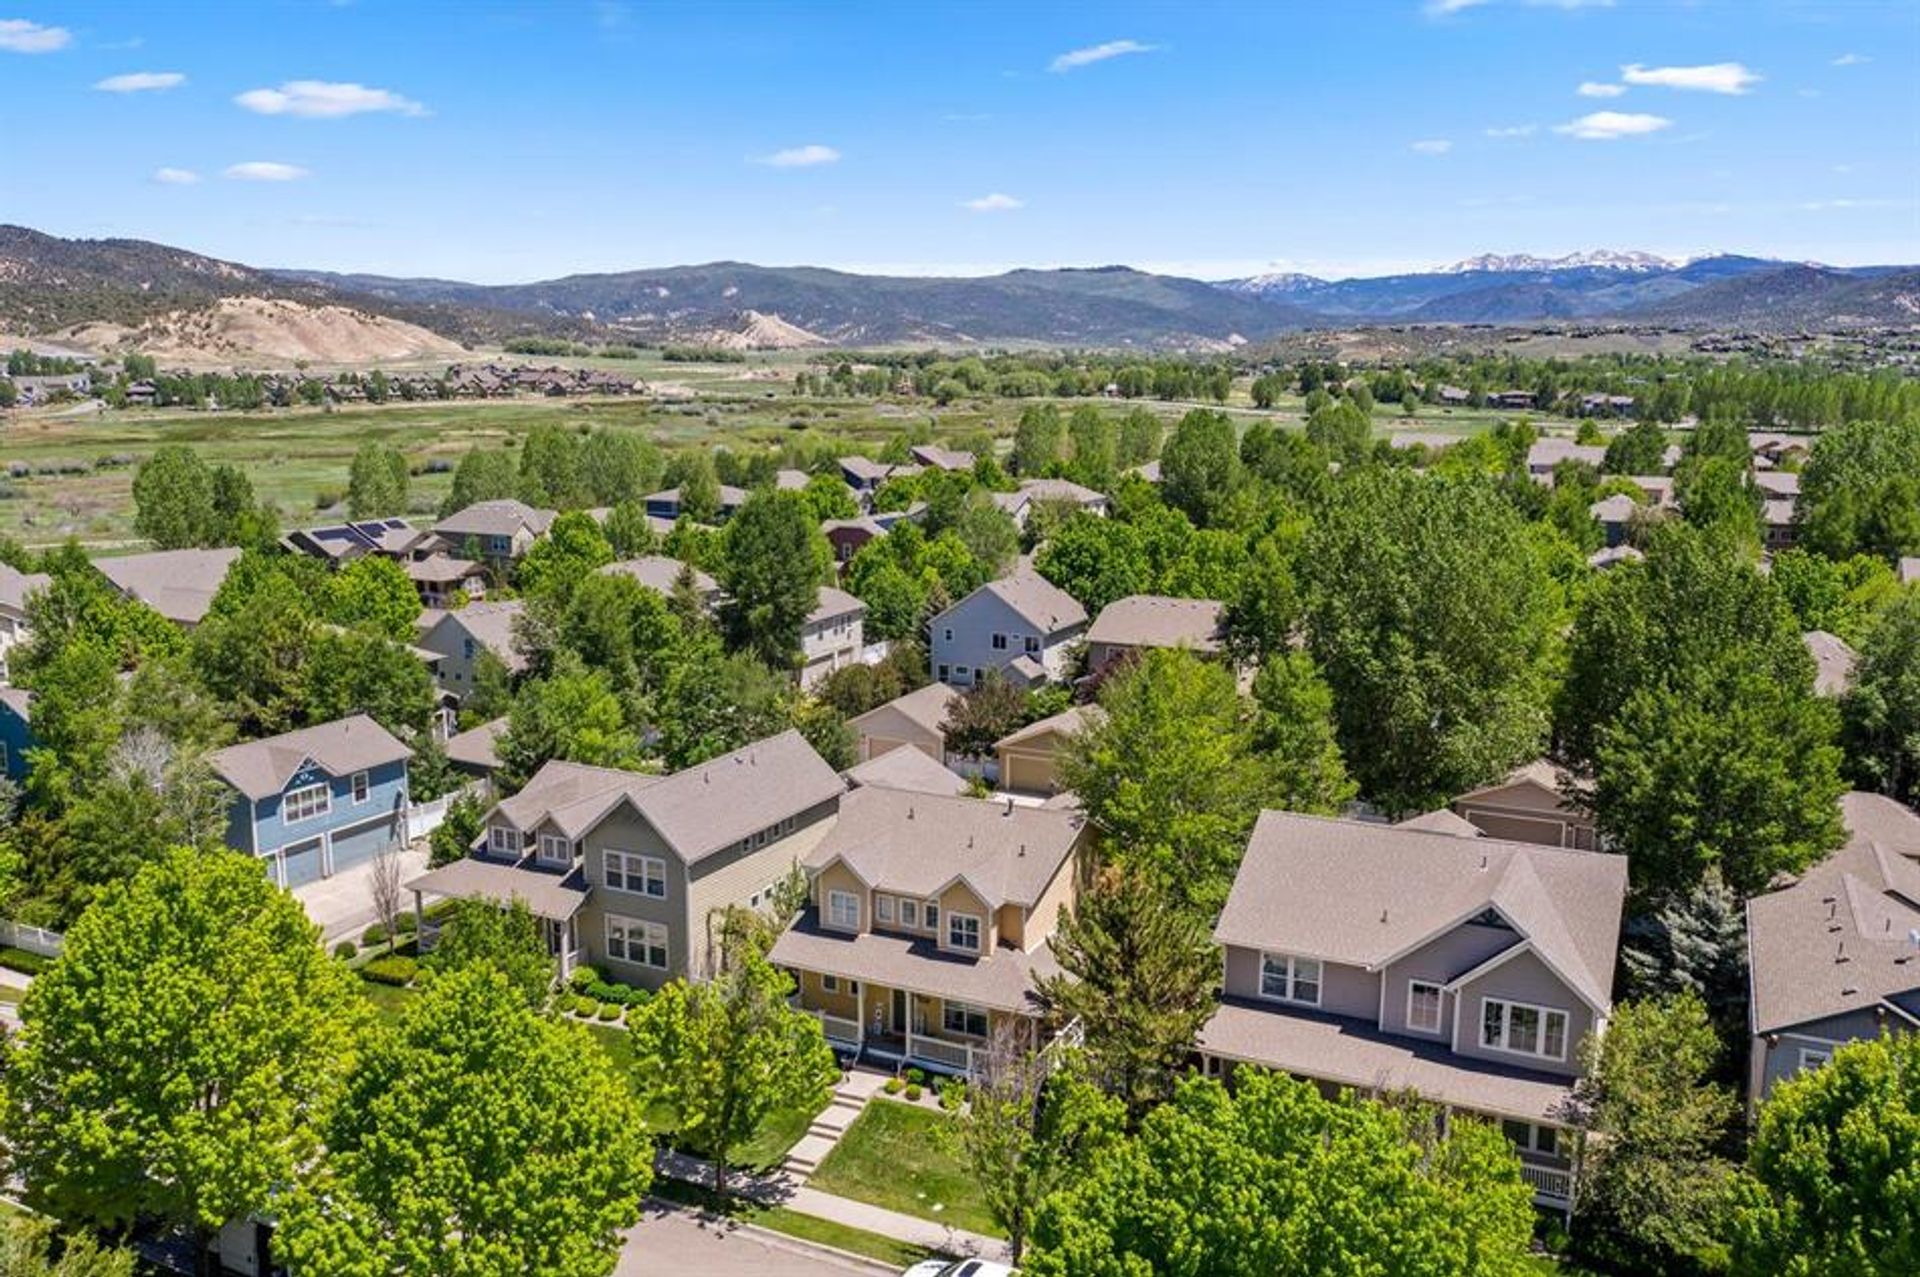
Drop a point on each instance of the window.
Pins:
(946, 672)
(930, 916)
(1520, 1029)
(1423, 1006)
(963, 932)
(1290, 979)
(1529, 1138)
(631, 940)
(503, 841)
(642, 875)
(1033, 645)
(3, 758)
(1812, 1057)
(305, 803)
(843, 910)
(999, 642)
(555, 849)
(960, 1018)
(466, 648)
(360, 787)
(830, 984)
(883, 909)
(949, 637)
(910, 913)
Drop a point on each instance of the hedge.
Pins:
(397, 970)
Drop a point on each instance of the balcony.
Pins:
(1552, 1186)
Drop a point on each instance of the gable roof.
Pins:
(1065, 723)
(1833, 662)
(1442, 821)
(731, 498)
(1539, 774)
(500, 518)
(15, 585)
(909, 769)
(19, 700)
(573, 796)
(178, 584)
(833, 602)
(865, 470)
(490, 624)
(1036, 600)
(260, 768)
(925, 707)
(1618, 508)
(357, 536)
(1846, 936)
(1153, 620)
(918, 844)
(940, 458)
(1545, 454)
(1366, 894)
(660, 573)
(476, 747)
(1032, 490)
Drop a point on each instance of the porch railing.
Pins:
(1548, 1183)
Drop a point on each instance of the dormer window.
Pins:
(963, 932)
(843, 910)
(503, 841)
(555, 849)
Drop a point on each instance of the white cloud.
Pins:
(1605, 126)
(175, 176)
(1714, 77)
(325, 100)
(1432, 146)
(1850, 60)
(1440, 8)
(266, 171)
(1514, 130)
(994, 203)
(1098, 53)
(808, 156)
(17, 35)
(141, 81)
(1594, 89)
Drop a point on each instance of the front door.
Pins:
(899, 1010)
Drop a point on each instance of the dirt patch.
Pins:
(269, 330)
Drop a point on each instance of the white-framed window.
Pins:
(642, 875)
(306, 803)
(968, 1021)
(503, 841)
(834, 984)
(930, 916)
(555, 849)
(1287, 978)
(963, 932)
(642, 943)
(999, 642)
(361, 789)
(883, 909)
(1423, 1006)
(1529, 1137)
(1033, 645)
(1519, 1028)
(910, 914)
(843, 910)
(1812, 1057)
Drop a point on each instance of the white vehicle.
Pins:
(958, 1268)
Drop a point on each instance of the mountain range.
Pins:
(122, 291)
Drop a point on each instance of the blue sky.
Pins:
(501, 141)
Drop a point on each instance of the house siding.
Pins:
(733, 876)
(1043, 919)
(448, 639)
(960, 898)
(259, 827)
(887, 729)
(1344, 990)
(837, 877)
(1768, 1066)
(1523, 979)
(1440, 961)
(974, 621)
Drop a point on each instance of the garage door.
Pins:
(359, 844)
(1026, 773)
(300, 863)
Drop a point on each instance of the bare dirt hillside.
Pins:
(267, 330)
(757, 331)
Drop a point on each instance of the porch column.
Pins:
(860, 1016)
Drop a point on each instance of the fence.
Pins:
(18, 935)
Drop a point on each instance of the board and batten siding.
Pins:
(734, 876)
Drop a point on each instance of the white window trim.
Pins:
(883, 909)
(651, 935)
(965, 1009)
(503, 840)
(647, 868)
(910, 913)
(979, 932)
(1439, 1006)
(1506, 1029)
(1319, 982)
(834, 898)
(324, 809)
(361, 787)
(1812, 1057)
(930, 916)
(565, 856)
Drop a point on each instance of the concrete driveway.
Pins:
(342, 906)
(672, 1240)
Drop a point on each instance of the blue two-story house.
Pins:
(319, 801)
(16, 731)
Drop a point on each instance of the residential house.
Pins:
(832, 637)
(319, 801)
(787, 480)
(16, 731)
(866, 477)
(1140, 621)
(1835, 957)
(1030, 757)
(459, 637)
(15, 586)
(1455, 396)
(914, 720)
(1833, 662)
(1606, 405)
(1658, 489)
(499, 531)
(1782, 485)
(440, 578)
(1382, 958)
(1032, 492)
(1432, 440)
(1147, 471)
(1612, 557)
(1776, 518)
(1021, 625)
(1528, 806)
(476, 751)
(1545, 454)
(935, 457)
(661, 574)
(178, 584)
(931, 923)
(666, 503)
(36, 388)
(1615, 515)
(1512, 399)
(1775, 448)
(849, 536)
(1443, 820)
(625, 870)
(338, 543)
(909, 769)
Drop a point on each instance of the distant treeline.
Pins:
(702, 355)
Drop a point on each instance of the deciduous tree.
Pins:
(776, 560)
(1200, 466)
(173, 498)
(1881, 713)
(377, 481)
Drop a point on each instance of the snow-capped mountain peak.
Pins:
(1603, 258)
(1280, 281)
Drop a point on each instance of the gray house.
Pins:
(1021, 625)
(1141, 621)
(625, 870)
(1383, 958)
(178, 584)
(458, 638)
(498, 531)
(1832, 958)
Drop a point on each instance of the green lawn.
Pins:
(894, 1254)
(900, 1157)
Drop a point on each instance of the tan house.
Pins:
(1831, 959)
(908, 769)
(625, 870)
(931, 923)
(916, 719)
(1528, 807)
(1382, 958)
(1141, 621)
(1030, 757)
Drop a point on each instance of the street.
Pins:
(675, 1241)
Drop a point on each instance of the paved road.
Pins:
(670, 1243)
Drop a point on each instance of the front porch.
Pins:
(899, 1028)
(554, 899)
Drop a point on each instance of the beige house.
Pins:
(497, 531)
(1527, 807)
(1141, 621)
(625, 871)
(1380, 958)
(1030, 757)
(915, 719)
(661, 574)
(930, 923)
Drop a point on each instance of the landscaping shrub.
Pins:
(621, 994)
(345, 950)
(584, 1005)
(580, 977)
(916, 1076)
(22, 961)
(611, 1011)
(396, 970)
(376, 934)
(893, 1086)
(953, 1093)
(406, 924)
(913, 1090)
